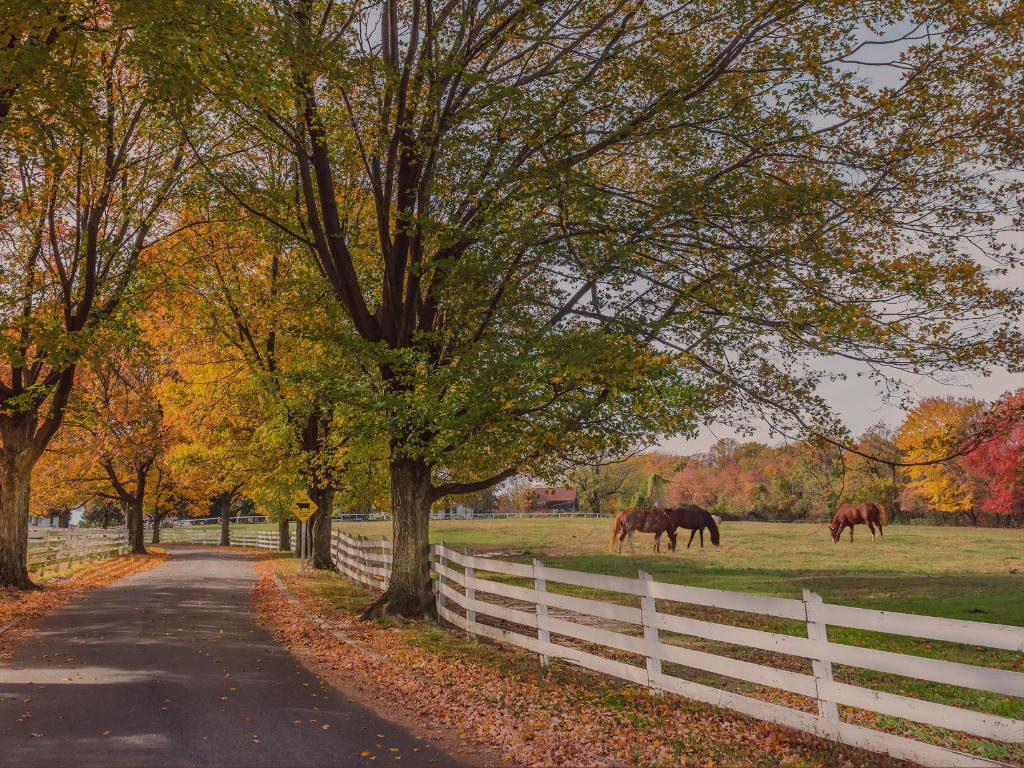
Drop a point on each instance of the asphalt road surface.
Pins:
(169, 667)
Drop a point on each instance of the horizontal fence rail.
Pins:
(60, 548)
(368, 562)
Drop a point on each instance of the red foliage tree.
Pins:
(1000, 460)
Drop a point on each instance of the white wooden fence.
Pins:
(358, 558)
(251, 539)
(58, 548)
(368, 562)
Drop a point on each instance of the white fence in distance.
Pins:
(250, 539)
(368, 562)
(59, 548)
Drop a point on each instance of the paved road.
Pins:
(169, 667)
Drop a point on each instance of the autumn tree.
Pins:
(114, 442)
(932, 438)
(82, 187)
(999, 456)
(35, 36)
(875, 473)
(598, 478)
(564, 227)
(243, 341)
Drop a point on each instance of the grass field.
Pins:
(949, 572)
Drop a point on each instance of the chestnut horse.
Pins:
(850, 515)
(633, 521)
(696, 519)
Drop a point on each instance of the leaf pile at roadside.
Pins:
(532, 719)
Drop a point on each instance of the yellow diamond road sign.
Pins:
(303, 507)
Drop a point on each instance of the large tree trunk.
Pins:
(14, 496)
(225, 519)
(410, 593)
(284, 536)
(156, 528)
(64, 519)
(320, 528)
(137, 527)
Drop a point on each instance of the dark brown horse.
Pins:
(850, 515)
(642, 521)
(696, 519)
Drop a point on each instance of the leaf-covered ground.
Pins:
(62, 587)
(502, 699)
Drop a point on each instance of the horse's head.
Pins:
(835, 530)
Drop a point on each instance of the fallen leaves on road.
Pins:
(532, 718)
(59, 590)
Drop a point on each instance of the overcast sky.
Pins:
(859, 403)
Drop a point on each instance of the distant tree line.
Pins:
(982, 484)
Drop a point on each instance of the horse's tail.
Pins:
(883, 517)
(615, 530)
(714, 530)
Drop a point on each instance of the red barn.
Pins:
(555, 500)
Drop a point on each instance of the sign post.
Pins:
(303, 508)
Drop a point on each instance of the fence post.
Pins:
(364, 562)
(648, 610)
(46, 552)
(442, 599)
(470, 595)
(542, 610)
(387, 566)
(822, 669)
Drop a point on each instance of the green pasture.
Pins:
(962, 573)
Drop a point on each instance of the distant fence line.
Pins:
(368, 562)
(247, 538)
(55, 549)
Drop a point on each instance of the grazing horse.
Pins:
(633, 521)
(850, 515)
(696, 519)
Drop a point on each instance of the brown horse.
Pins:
(850, 515)
(642, 521)
(696, 519)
